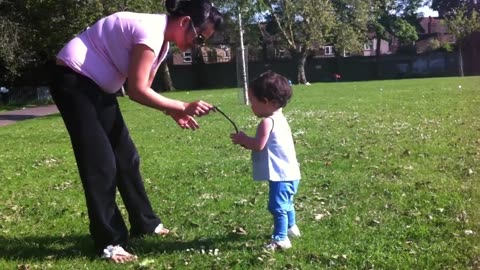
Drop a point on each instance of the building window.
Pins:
(390, 46)
(368, 46)
(328, 50)
(187, 57)
(280, 53)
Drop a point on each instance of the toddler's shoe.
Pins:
(294, 232)
(282, 244)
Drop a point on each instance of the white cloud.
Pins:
(427, 11)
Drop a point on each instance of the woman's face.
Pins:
(193, 36)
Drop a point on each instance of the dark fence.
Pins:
(219, 75)
(223, 75)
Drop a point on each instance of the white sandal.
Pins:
(160, 230)
(117, 254)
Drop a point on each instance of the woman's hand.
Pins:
(198, 108)
(184, 120)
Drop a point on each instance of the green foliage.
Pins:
(447, 47)
(434, 44)
(33, 31)
(54, 22)
(303, 23)
(404, 31)
(462, 23)
(41, 28)
(390, 173)
(395, 18)
(249, 11)
(351, 21)
(380, 19)
(11, 56)
(446, 8)
(146, 6)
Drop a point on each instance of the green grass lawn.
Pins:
(390, 180)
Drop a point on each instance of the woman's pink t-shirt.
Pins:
(102, 52)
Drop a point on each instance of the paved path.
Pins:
(11, 117)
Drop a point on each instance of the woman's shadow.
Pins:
(81, 246)
(45, 247)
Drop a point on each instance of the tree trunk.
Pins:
(198, 63)
(302, 59)
(460, 60)
(244, 62)
(378, 52)
(336, 65)
(167, 79)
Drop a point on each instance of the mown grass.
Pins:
(390, 180)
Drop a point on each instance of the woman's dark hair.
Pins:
(201, 11)
(272, 87)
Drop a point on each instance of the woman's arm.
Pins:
(151, 77)
(140, 79)
(139, 90)
(258, 142)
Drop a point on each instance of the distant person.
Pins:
(273, 153)
(5, 95)
(90, 69)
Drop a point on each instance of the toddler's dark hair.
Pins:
(272, 87)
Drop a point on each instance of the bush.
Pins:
(446, 47)
(434, 44)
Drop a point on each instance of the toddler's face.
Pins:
(261, 108)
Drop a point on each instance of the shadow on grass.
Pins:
(16, 117)
(46, 247)
(171, 245)
(9, 119)
(81, 246)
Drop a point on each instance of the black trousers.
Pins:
(106, 157)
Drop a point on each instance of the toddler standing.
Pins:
(273, 153)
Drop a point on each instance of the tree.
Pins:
(164, 72)
(239, 15)
(350, 30)
(462, 24)
(40, 28)
(302, 24)
(249, 11)
(146, 6)
(446, 8)
(11, 57)
(33, 31)
(393, 18)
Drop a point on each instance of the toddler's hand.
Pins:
(238, 138)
